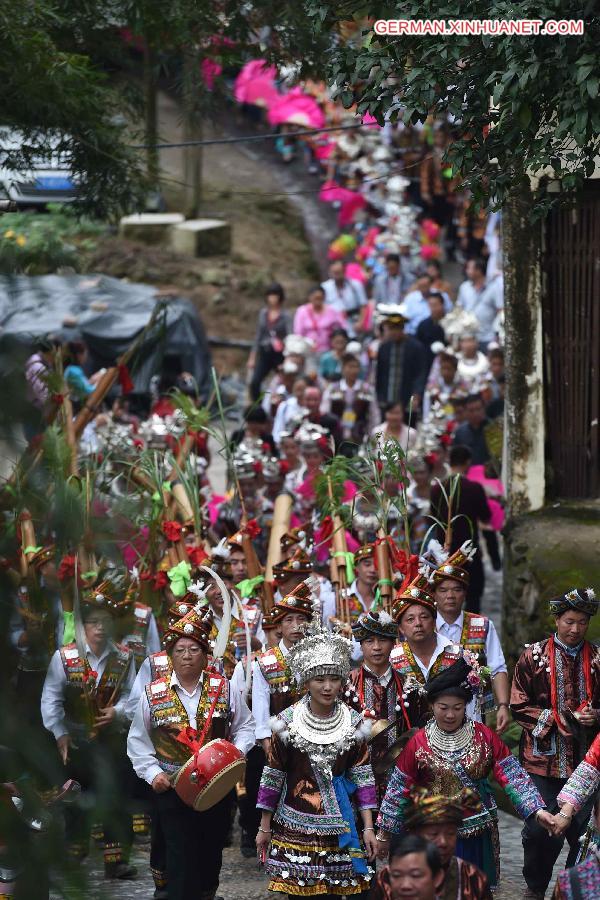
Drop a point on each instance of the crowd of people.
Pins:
(306, 649)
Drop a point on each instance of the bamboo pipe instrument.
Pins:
(90, 408)
(282, 513)
(384, 568)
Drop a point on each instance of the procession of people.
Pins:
(300, 651)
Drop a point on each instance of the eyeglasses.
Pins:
(187, 651)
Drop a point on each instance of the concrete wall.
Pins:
(547, 553)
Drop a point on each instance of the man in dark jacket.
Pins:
(401, 361)
(469, 508)
(430, 331)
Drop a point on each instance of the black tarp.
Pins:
(35, 308)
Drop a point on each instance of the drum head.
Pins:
(219, 786)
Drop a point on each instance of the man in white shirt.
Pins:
(476, 633)
(178, 714)
(84, 705)
(391, 286)
(343, 294)
(484, 299)
(417, 304)
(423, 652)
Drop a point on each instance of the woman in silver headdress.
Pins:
(318, 760)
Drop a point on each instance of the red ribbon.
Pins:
(58, 399)
(189, 738)
(324, 534)
(197, 555)
(252, 528)
(66, 568)
(171, 530)
(125, 381)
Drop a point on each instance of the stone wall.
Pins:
(546, 553)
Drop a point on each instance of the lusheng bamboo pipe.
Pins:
(282, 513)
(384, 568)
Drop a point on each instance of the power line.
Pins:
(245, 138)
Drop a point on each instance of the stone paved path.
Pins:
(241, 879)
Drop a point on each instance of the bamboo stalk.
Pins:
(384, 568)
(282, 511)
(92, 403)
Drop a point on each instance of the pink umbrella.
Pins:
(255, 84)
(297, 108)
(370, 121)
(210, 69)
(350, 207)
(355, 270)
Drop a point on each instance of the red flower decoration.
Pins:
(323, 444)
(266, 447)
(172, 530)
(431, 458)
(138, 443)
(284, 466)
(197, 555)
(257, 466)
(445, 439)
(160, 581)
(66, 568)
(252, 529)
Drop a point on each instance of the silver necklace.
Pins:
(322, 739)
(450, 742)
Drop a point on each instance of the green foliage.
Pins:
(527, 105)
(35, 244)
(60, 102)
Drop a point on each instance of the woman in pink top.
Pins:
(315, 321)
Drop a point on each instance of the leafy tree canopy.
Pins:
(526, 105)
(57, 92)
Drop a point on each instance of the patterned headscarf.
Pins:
(425, 808)
(578, 599)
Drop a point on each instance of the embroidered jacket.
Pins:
(585, 780)
(543, 749)
(160, 665)
(283, 689)
(169, 719)
(365, 692)
(137, 639)
(403, 661)
(81, 680)
(447, 773)
(301, 796)
(474, 637)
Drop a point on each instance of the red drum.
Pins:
(210, 774)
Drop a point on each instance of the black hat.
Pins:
(452, 682)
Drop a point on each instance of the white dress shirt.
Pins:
(493, 652)
(441, 643)
(140, 748)
(261, 699)
(349, 298)
(484, 303)
(53, 693)
(384, 679)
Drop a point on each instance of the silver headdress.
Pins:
(320, 652)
